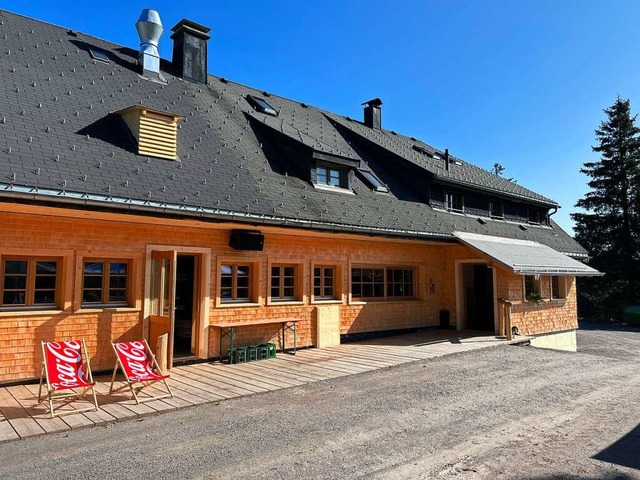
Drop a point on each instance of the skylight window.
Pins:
(374, 181)
(99, 55)
(261, 105)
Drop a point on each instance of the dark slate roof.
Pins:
(60, 143)
(459, 172)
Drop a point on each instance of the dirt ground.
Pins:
(498, 413)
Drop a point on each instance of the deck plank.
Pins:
(21, 415)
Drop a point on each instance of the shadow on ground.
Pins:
(625, 452)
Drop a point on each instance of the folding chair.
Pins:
(64, 368)
(139, 365)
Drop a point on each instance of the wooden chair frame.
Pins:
(71, 395)
(145, 383)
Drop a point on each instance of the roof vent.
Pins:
(156, 132)
(150, 30)
(373, 114)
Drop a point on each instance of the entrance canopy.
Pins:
(525, 257)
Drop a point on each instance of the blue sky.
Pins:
(521, 83)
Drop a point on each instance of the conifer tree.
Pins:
(609, 226)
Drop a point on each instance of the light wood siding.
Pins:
(156, 133)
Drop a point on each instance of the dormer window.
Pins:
(156, 132)
(534, 216)
(330, 176)
(454, 201)
(373, 181)
(496, 209)
(261, 105)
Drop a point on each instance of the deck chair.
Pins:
(139, 365)
(65, 366)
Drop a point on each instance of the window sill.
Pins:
(329, 301)
(29, 313)
(272, 303)
(102, 308)
(329, 188)
(237, 304)
(383, 300)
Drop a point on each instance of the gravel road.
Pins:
(502, 412)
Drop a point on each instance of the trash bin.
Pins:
(444, 320)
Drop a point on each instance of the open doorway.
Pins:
(185, 306)
(477, 290)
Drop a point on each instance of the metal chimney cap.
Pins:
(149, 27)
(375, 102)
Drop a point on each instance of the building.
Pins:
(141, 196)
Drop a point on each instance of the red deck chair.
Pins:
(65, 368)
(139, 365)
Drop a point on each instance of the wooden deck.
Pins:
(21, 416)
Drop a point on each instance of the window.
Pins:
(104, 282)
(399, 282)
(329, 176)
(283, 282)
(558, 287)
(534, 216)
(496, 209)
(99, 55)
(454, 202)
(532, 288)
(29, 282)
(235, 282)
(382, 282)
(324, 282)
(373, 181)
(261, 105)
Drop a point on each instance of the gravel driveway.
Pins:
(502, 412)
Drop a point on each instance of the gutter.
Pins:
(75, 198)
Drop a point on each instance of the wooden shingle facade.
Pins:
(135, 206)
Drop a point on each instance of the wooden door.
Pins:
(163, 288)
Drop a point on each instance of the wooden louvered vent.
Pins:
(156, 132)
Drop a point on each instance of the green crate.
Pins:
(240, 355)
(252, 353)
(271, 352)
(262, 351)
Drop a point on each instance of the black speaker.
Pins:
(246, 240)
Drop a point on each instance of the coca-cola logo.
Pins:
(134, 359)
(66, 360)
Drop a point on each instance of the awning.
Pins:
(525, 257)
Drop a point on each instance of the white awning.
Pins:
(525, 257)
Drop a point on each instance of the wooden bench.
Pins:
(228, 330)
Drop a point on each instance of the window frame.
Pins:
(30, 282)
(297, 291)
(385, 283)
(105, 287)
(537, 286)
(562, 287)
(493, 203)
(234, 264)
(343, 176)
(535, 219)
(448, 204)
(322, 283)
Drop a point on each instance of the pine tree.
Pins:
(609, 227)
